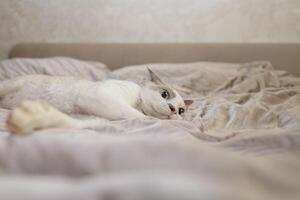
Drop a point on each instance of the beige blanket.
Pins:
(239, 140)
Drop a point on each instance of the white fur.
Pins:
(110, 100)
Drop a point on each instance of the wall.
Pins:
(148, 21)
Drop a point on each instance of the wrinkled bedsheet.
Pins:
(239, 140)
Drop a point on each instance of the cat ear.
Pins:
(188, 102)
(154, 77)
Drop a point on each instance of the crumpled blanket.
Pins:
(230, 98)
(239, 140)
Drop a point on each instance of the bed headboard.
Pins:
(282, 55)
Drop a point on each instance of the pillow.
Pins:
(199, 78)
(55, 66)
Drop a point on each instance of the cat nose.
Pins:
(172, 108)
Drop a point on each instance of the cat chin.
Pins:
(169, 117)
(164, 117)
(154, 113)
(159, 115)
(175, 117)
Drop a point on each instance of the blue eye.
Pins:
(165, 94)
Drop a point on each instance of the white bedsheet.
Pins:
(239, 140)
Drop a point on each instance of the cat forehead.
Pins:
(178, 99)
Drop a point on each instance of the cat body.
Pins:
(109, 99)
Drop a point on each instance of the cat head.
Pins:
(160, 100)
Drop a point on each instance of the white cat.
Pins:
(31, 96)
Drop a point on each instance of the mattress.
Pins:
(239, 140)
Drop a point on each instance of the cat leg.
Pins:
(32, 115)
(114, 110)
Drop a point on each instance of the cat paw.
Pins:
(29, 116)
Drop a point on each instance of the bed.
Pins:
(239, 140)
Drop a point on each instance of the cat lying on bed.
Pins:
(107, 100)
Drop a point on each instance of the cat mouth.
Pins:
(163, 116)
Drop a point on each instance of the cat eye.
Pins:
(181, 111)
(165, 94)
